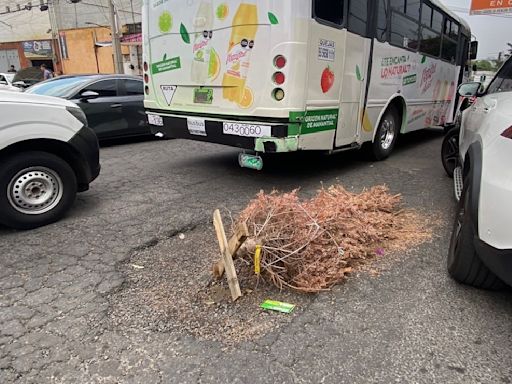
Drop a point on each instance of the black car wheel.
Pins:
(36, 189)
(450, 151)
(464, 264)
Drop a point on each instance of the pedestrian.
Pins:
(12, 69)
(47, 74)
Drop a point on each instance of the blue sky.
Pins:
(492, 32)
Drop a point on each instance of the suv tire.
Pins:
(464, 264)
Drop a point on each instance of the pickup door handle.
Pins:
(116, 105)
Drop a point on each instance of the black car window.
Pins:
(134, 87)
(104, 88)
(503, 80)
(2, 78)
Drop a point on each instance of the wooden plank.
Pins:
(229, 266)
(241, 234)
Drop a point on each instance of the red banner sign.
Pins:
(488, 7)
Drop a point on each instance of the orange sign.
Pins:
(486, 7)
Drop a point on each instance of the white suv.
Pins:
(481, 246)
(47, 154)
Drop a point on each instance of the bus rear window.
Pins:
(331, 11)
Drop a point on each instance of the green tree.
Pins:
(484, 65)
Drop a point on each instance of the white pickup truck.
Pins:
(47, 155)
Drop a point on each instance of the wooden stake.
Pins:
(234, 286)
(241, 234)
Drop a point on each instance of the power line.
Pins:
(43, 6)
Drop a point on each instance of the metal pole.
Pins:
(116, 43)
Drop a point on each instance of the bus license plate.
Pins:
(247, 130)
(156, 120)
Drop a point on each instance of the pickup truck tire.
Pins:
(36, 189)
(464, 264)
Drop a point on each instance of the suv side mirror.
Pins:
(89, 95)
(469, 89)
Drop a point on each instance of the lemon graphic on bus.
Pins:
(367, 124)
(214, 65)
(165, 22)
(222, 11)
(247, 98)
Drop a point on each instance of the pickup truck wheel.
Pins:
(464, 264)
(36, 189)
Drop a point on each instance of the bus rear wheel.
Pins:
(386, 135)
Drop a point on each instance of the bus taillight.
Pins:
(280, 61)
(146, 67)
(146, 90)
(278, 94)
(279, 78)
(146, 78)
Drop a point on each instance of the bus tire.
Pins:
(386, 135)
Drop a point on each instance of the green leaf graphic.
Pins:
(184, 34)
(423, 59)
(358, 73)
(273, 18)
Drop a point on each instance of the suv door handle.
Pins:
(116, 105)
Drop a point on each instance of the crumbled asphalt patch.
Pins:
(176, 292)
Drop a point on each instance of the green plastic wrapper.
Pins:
(277, 306)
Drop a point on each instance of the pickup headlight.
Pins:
(78, 114)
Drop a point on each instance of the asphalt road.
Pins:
(411, 324)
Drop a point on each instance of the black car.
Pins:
(113, 104)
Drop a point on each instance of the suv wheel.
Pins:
(36, 189)
(464, 265)
(450, 151)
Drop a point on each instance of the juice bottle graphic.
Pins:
(241, 43)
(435, 98)
(203, 26)
(449, 88)
(432, 118)
(449, 97)
(442, 102)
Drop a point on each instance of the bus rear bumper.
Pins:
(176, 127)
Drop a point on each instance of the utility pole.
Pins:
(116, 43)
(53, 10)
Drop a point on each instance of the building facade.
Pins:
(71, 37)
